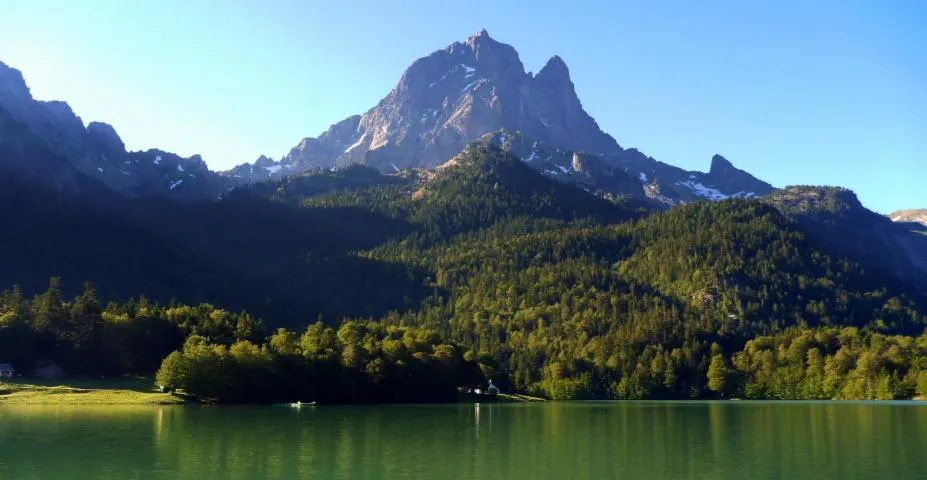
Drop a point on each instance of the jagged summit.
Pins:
(96, 150)
(458, 94)
(442, 102)
(106, 135)
(720, 165)
(12, 83)
(452, 97)
(555, 67)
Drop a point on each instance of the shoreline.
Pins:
(131, 391)
(140, 391)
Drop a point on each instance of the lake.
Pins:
(704, 440)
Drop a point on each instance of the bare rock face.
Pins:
(578, 164)
(450, 98)
(105, 135)
(476, 88)
(324, 150)
(96, 150)
(915, 216)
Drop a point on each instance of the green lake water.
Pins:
(635, 440)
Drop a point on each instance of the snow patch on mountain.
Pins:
(701, 190)
(357, 143)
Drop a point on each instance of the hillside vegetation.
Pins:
(401, 288)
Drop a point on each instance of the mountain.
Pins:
(476, 88)
(482, 186)
(914, 219)
(24, 158)
(95, 150)
(587, 171)
(286, 251)
(834, 218)
(552, 289)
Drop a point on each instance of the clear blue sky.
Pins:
(796, 92)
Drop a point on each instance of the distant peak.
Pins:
(481, 38)
(263, 161)
(12, 82)
(106, 133)
(555, 67)
(719, 164)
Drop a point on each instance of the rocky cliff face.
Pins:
(458, 94)
(96, 150)
(476, 88)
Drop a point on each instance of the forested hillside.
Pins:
(433, 279)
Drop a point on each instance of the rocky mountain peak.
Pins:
(556, 68)
(456, 95)
(96, 150)
(263, 161)
(498, 60)
(12, 84)
(720, 166)
(106, 135)
(479, 88)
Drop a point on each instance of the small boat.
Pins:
(302, 404)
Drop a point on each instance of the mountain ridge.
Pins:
(97, 151)
(835, 219)
(456, 95)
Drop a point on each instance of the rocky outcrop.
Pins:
(96, 150)
(912, 217)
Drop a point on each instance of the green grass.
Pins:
(121, 391)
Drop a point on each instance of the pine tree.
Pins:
(718, 373)
(86, 322)
(49, 314)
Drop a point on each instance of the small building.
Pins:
(492, 389)
(6, 370)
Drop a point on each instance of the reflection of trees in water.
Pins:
(552, 440)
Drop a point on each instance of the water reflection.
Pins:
(555, 440)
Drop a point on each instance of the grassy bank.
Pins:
(122, 391)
